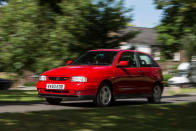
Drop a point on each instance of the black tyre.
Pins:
(104, 96)
(54, 101)
(156, 95)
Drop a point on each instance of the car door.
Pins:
(150, 70)
(127, 78)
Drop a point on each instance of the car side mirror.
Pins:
(69, 62)
(123, 64)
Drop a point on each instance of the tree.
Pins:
(189, 42)
(32, 37)
(177, 21)
(105, 19)
(37, 35)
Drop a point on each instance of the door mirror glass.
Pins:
(69, 62)
(123, 63)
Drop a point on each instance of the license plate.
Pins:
(55, 86)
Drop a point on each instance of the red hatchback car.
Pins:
(103, 76)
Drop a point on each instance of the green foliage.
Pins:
(166, 77)
(38, 35)
(25, 28)
(30, 84)
(178, 20)
(104, 19)
(189, 42)
(175, 68)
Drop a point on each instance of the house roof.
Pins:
(117, 50)
(145, 36)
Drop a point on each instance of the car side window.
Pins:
(146, 61)
(130, 57)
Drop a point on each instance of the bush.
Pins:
(30, 84)
(166, 77)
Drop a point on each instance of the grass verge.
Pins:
(182, 91)
(30, 84)
(20, 96)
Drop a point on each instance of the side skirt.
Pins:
(125, 96)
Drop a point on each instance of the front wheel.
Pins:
(156, 95)
(104, 96)
(54, 101)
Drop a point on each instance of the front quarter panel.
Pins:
(95, 77)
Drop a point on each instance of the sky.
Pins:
(144, 13)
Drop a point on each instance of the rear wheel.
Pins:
(104, 96)
(54, 101)
(156, 95)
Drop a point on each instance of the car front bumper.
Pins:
(86, 91)
(76, 97)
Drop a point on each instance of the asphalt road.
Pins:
(22, 107)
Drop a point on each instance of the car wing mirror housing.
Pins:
(69, 62)
(123, 64)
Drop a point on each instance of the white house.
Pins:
(146, 41)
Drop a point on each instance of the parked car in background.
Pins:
(186, 75)
(182, 77)
(103, 76)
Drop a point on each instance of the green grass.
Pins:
(163, 117)
(183, 91)
(188, 90)
(20, 96)
(30, 84)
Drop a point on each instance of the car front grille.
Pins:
(56, 91)
(58, 78)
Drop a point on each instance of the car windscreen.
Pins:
(182, 74)
(105, 58)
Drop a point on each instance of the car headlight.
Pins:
(78, 79)
(42, 78)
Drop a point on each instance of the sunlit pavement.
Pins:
(22, 107)
(24, 88)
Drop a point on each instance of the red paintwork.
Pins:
(123, 80)
(123, 63)
(69, 62)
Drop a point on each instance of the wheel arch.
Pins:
(160, 84)
(107, 82)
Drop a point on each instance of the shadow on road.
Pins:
(6, 103)
(120, 102)
(179, 95)
(90, 104)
